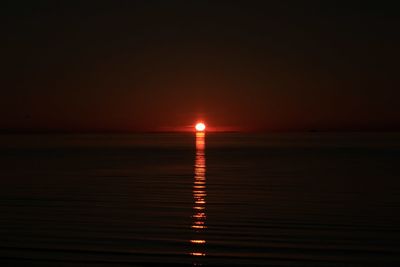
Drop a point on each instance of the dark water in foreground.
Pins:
(244, 200)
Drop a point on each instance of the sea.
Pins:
(200, 199)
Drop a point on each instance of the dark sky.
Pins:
(162, 65)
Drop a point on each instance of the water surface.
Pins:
(316, 199)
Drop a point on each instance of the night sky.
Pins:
(162, 65)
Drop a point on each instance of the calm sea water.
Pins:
(215, 200)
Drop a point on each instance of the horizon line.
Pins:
(64, 131)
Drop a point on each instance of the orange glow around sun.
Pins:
(200, 127)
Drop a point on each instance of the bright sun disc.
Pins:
(200, 126)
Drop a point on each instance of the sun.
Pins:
(200, 127)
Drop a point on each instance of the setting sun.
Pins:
(200, 127)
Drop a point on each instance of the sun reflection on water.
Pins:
(199, 197)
